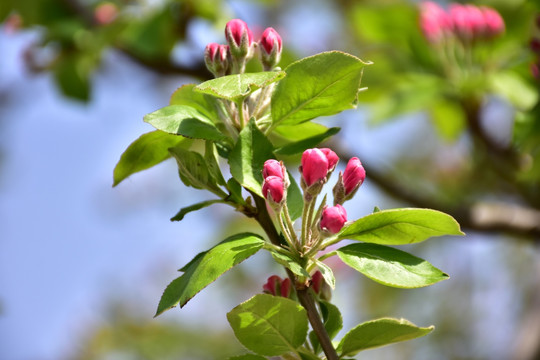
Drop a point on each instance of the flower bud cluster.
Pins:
(534, 45)
(278, 287)
(467, 23)
(231, 58)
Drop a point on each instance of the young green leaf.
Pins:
(205, 104)
(289, 263)
(299, 146)
(212, 163)
(207, 266)
(327, 274)
(248, 156)
(389, 266)
(186, 121)
(375, 333)
(237, 87)
(194, 172)
(198, 206)
(295, 199)
(269, 325)
(400, 226)
(148, 150)
(323, 84)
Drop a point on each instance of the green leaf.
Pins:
(212, 163)
(289, 263)
(306, 355)
(237, 87)
(205, 104)
(300, 146)
(235, 190)
(400, 226)
(333, 323)
(299, 132)
(194, 172)
(248, 156)
(327, 274)
(184, 211)
(207, 266)
(248, 357)
(269, 325)
(295, 199)
(186, 121)
(148, 150)
(389, 266)
(375, 333)
(319, 85)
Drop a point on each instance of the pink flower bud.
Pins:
(468, 21)
(434, 21)
(270, 45)
(273, 168)
(239, 37)
(494, 24)
(285, 288)
(333, 218)
(314, 166)
(272, 285)
(273, 188)
(105, 13)
(534, 45)
(354, 175)
(331, 157)
(276, 286)
(215, 57)
(317, 281)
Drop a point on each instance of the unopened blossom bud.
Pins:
(353, 176)
(314, 166)
(105, 13)
(434, 21)
(333, 218)
(270, 48)
(494, 23)
(468, 22)
(239, 38)
(216, 58)
(276, 286)
(331, 157)
(534, 45)
(320, 287)
(273, 168)
(273, 188)
(272, 285)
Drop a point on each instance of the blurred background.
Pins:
(447, 123)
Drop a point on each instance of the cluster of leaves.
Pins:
(320, 85)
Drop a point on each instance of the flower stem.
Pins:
(304, 295)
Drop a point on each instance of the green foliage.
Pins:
(237, 87)
(375, 333)
(248, 357)
(248, 156)
(333, 323)
(186, 121)
(323, 84)
(148, 150)
(283, 322)
(400, 227)
(389, 266)
(198, 206)
(206, 267)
